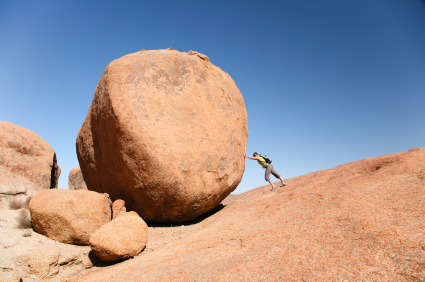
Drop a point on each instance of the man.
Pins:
(269, 169)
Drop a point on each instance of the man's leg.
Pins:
(277, 175)
(269, 168)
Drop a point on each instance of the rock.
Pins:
(24, 153)
(122, 238)
(9, 275)
(175, 139)
(69, 216)
(46, 262)
(362, 221)
(76, 180)
(15, 191)
(118, 207)
(128, 213)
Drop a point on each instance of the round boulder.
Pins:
(122, 238)
(69, 216)
(166, 132)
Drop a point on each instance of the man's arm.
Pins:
(252, 158)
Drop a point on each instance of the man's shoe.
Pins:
(283, 185)
(274, 187)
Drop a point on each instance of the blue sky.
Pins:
(324, 82)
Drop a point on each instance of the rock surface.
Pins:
(15, 190)
(76, 179)
(122, 238)
(24, 153)
(17, 244)
(166, 133)
(69, 216)
(47, 262)
(362, 221)
(9, 275)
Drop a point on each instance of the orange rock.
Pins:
(69, 216)
(122, 238)
(48, 261)
(15, 191)
(362, 221)
(128, 213)
(118, 207)
(76, 180)
(166, 133)
(24, 153)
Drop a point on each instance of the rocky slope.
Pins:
(362, 221)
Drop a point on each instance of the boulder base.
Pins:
(166, 133)
(69, 216)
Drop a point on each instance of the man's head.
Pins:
(255, 154)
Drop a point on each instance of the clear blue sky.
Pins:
(324, 82)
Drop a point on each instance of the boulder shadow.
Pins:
(196, 220)
(97, 262)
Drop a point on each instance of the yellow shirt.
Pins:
(262, 162)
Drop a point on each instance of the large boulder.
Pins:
(76, 180)
(24, 153)
(166, 132)
(122, 238)
(69, 216)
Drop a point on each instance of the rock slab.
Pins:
(76, 179)
(46, 262)
(122, 238)
(166, 132)
(69, 216)
(362, 221)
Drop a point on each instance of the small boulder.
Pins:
(122, 238)
(69, 216)
(76, 180)
(118, 207)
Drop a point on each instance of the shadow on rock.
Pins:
(100, 263)
(197, 220)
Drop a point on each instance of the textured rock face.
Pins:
(362, 221)
(76, 180)
(46, 262)
(9, 275)
(122, 238)
(166, 132)
(69, 216)
(24, 153)
(15, 190)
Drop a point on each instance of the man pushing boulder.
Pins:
(269, 169)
